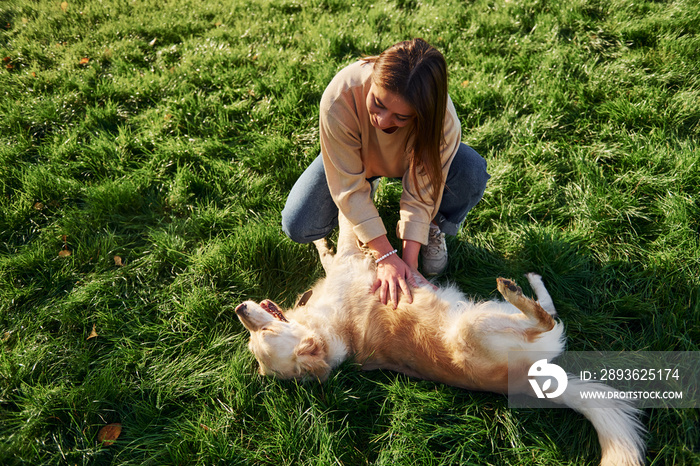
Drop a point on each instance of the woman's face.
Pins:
(387, 111)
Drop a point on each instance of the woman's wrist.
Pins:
(385, 256)
(380, 246)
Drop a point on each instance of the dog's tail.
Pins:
(615, 420)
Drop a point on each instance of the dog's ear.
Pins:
(311, 357)
(305, 298)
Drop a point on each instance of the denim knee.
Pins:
(299, 226)
(310, 212)
(464, 188)
(472, 171)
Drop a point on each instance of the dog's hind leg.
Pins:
(514, 294)
(543, 296)
(348, 244)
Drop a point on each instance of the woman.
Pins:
(390, 116)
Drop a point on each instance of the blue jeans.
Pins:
(310, 212)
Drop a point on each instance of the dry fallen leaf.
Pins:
(93, 334)
(64, 6)
(118, 261)
(109, 433)
(65, 252)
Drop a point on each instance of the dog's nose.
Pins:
(241, 308)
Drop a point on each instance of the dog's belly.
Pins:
(429, 339)
(494, 379)
(400, 342)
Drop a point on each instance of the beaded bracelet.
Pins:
(385, 256)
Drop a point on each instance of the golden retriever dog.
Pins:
(441, 336)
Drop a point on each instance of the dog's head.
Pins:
(283, 348)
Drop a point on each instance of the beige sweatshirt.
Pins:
(354, 150)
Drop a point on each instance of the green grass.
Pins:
(168, 133)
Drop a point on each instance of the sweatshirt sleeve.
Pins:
(418, 208)
(341, 145)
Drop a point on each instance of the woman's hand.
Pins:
(393, 277)
(394, 274)
(410, 257)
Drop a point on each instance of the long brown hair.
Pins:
(417, 72)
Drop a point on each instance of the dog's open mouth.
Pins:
(272, 308)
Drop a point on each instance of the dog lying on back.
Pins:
(441, 336)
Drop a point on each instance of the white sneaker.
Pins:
(434, 253)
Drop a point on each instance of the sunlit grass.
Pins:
(154, 142)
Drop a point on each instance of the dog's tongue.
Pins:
(272, 308)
